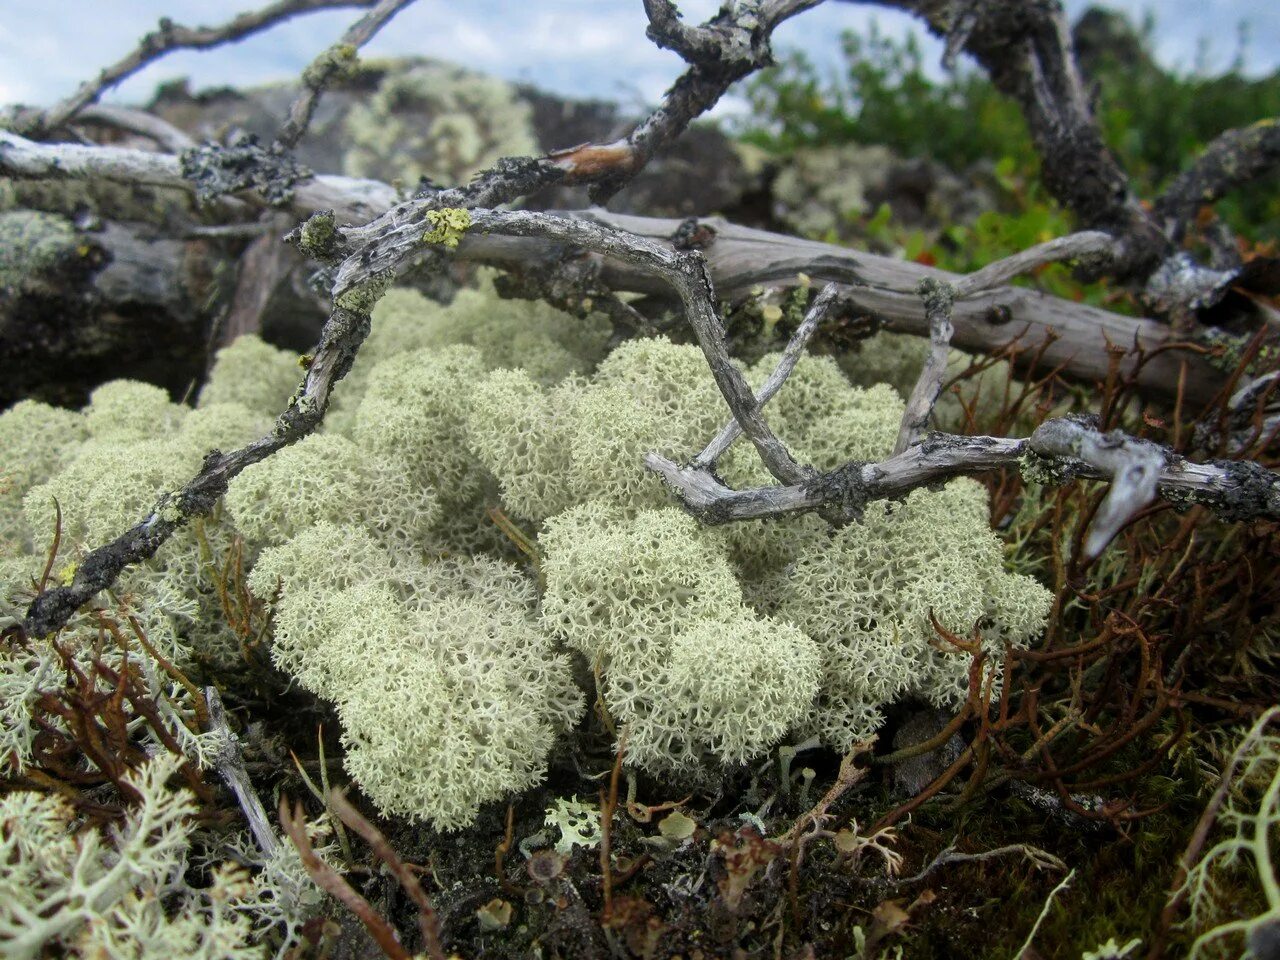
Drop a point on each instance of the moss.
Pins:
(1230, 350)
(32, 248)
(339, 61)
(1043, 471)
(317, 234)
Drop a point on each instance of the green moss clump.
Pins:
(317, 234)
(339, 61)
(32, 246)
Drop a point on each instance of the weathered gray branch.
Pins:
(333, 63)
(730, 46)
(818, 311)
(938, 298)
(1234, 158)
(351, 199)
(1087, 244)
(230, 766)
(1073, 337)
(1133, 466)
(685, 271)
(166, 37)
(138, 121)
(1235, 490)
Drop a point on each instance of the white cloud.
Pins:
(573, 47)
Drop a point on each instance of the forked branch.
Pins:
(169, 36)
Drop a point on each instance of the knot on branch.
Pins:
(318, 237)
(692, 234)
(844, 492)
(733, 39)
(216, 170)
(1249, 491)
(339, 62)
(937, 295)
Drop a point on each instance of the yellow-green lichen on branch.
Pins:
(339, 61)
(448, 226)
(360, 297)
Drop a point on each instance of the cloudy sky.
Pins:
(591, 48)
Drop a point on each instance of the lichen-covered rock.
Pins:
(34, 248)
(824, 192)
(85, 298)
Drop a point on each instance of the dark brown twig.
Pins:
(333, 883)
(428, 922)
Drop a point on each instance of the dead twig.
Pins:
(230, 766)
(332, 883)
(169, 36)
(428, 922)
(332, 64)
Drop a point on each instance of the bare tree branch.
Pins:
(1074, 337)
(1234, 158)
(332, 64)
(1133, 466)
(818, 310)
(730, 46)
(350, 198)
(1235, 490)
(230, 766)
(739, 258)
(1075, 246)
(166, 37)
(138, 121)
(938, 298)
(1025, 47)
